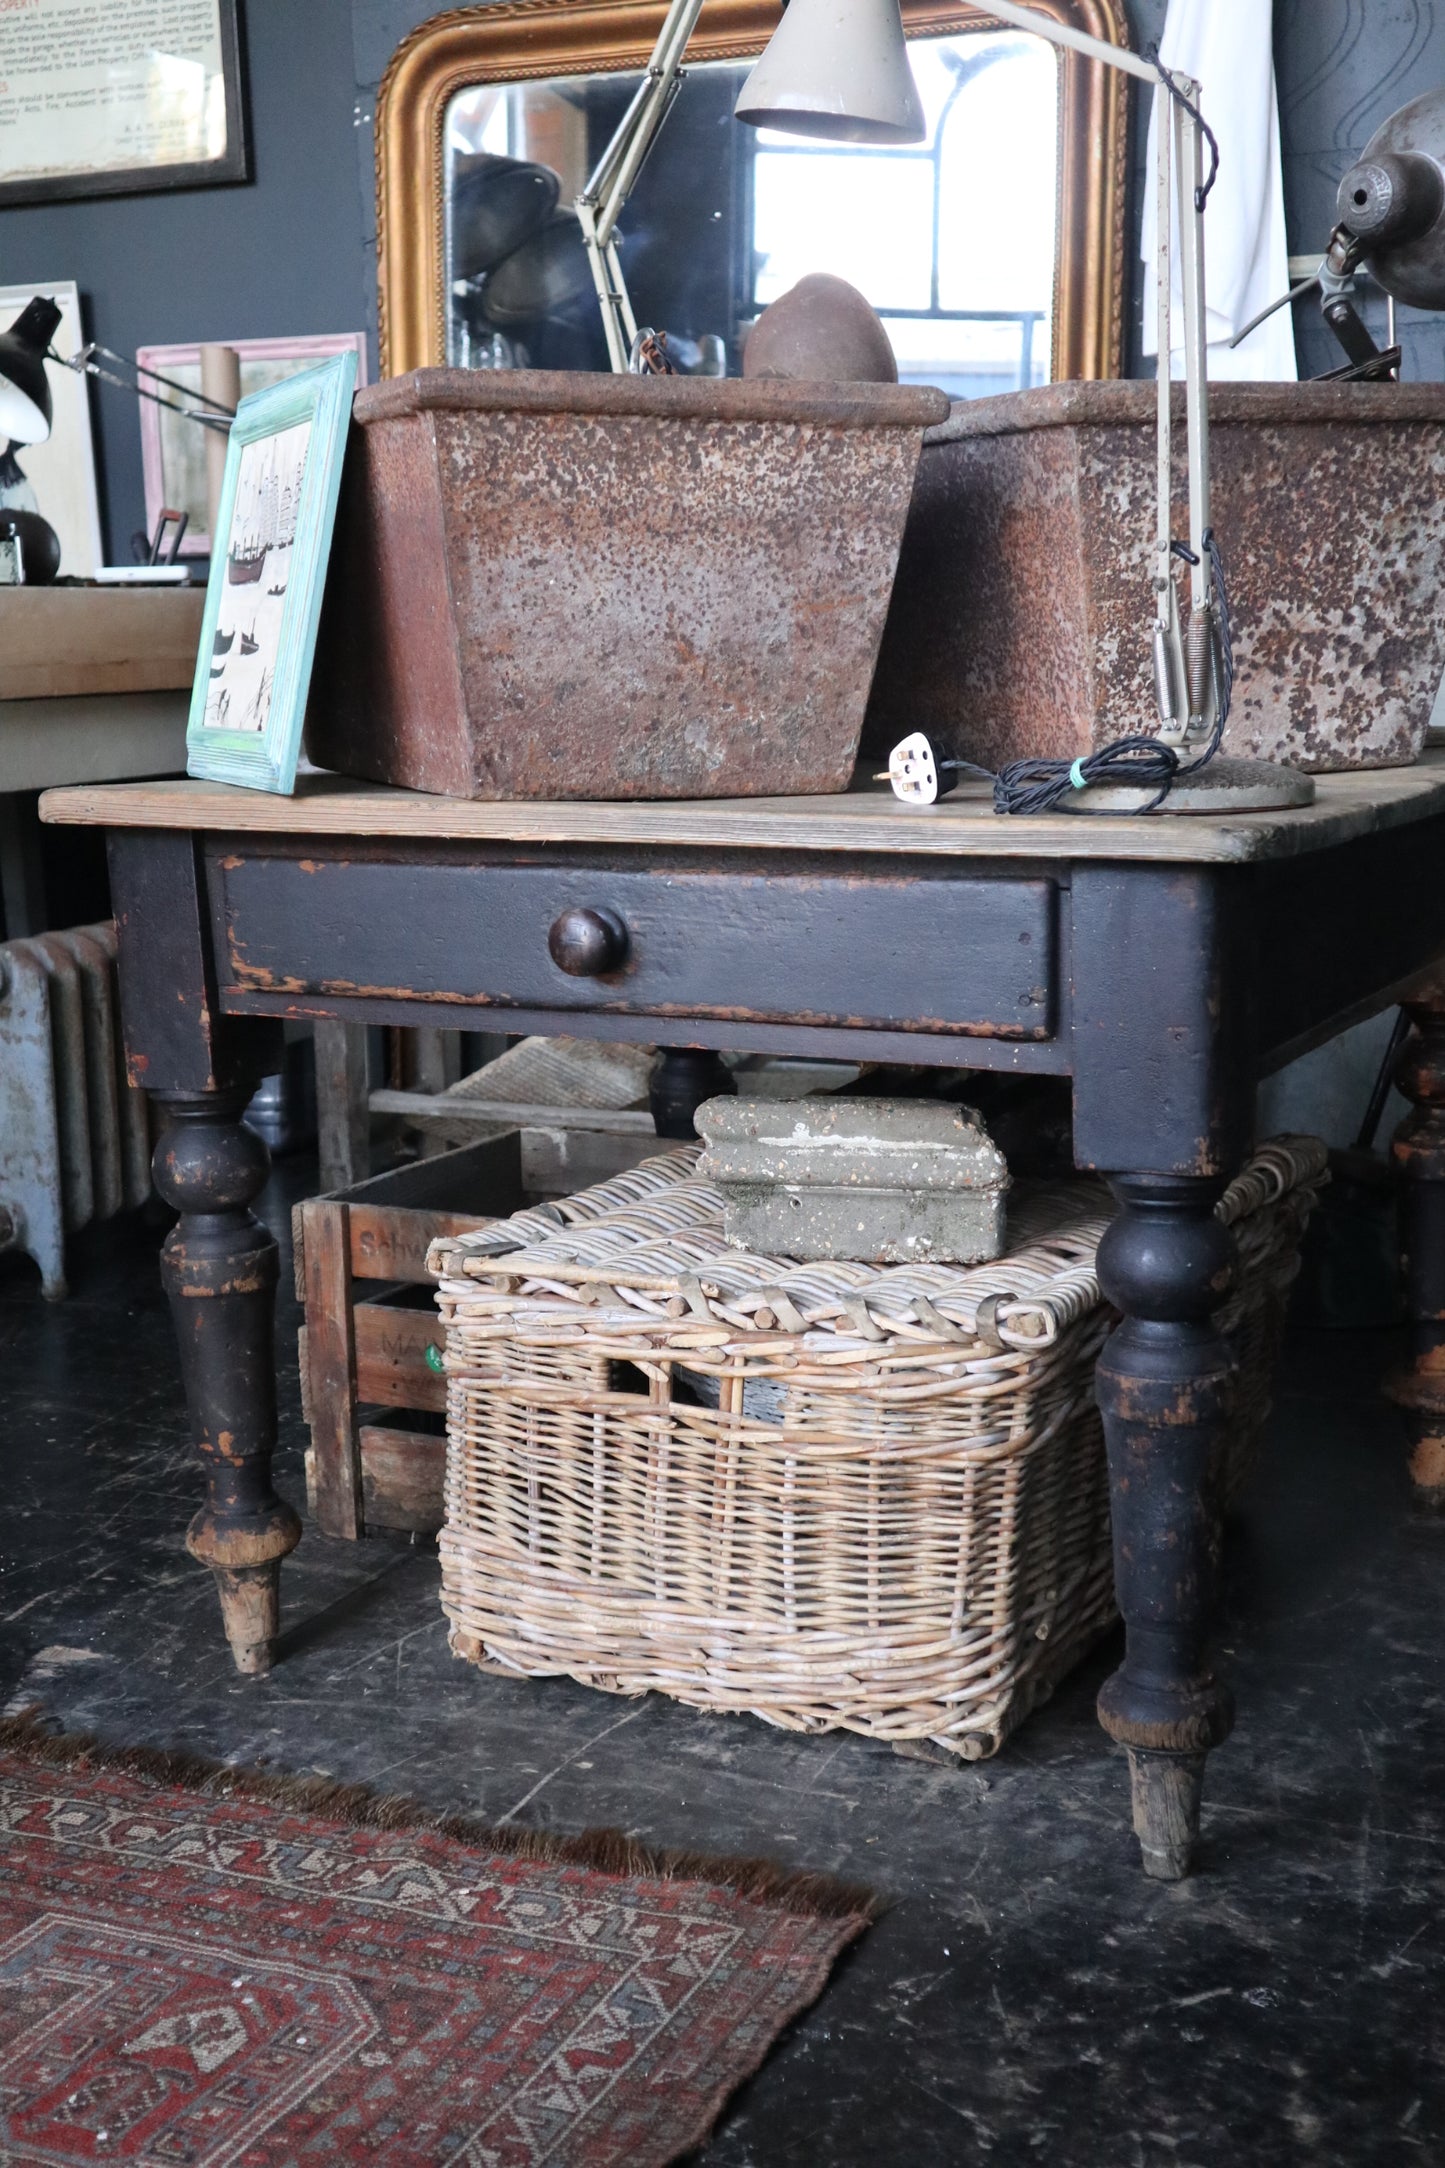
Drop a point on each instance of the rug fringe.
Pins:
(603, 1851)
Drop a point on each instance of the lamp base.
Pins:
(1225, 786)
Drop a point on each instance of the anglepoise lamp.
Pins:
(806, 82)
(26, 409)
(25, 404)
(1390, 221)
(1189, 672)
(845, 77)
(31, 543)
(1192, 664)
(838, 69)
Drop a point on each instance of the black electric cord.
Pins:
(1171, 83)
(1140, 762)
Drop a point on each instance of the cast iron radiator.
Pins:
(74, 1138)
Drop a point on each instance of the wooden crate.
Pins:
(368, 1390)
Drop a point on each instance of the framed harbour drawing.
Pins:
(268, 573)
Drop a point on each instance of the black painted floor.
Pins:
(1029, 1996)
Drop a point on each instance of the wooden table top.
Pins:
(868, 819)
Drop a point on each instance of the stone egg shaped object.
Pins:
(821, 331)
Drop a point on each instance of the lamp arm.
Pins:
(1196, 383)
(649, 127)
(1078, 41)
(84, 363)
(616, 173)
(599, 206)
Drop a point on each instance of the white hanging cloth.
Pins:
(1226, 46)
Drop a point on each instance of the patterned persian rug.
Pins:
(200, 1966)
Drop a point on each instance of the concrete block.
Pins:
(882, 1181)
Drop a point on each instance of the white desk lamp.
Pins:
(859, 88)
(1191, 672)
(839, 69)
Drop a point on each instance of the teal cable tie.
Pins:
(1077, 776)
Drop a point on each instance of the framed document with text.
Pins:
(104, 97)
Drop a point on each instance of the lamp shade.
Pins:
(497, 204)
(24, 387)
(541, 279)
(1394, 202)
(837, 69)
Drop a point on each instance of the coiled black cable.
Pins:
(1139, 762)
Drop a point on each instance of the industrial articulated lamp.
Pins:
(25, 407)
(839, 71)
(1191, 668)
(29, 548)
(1390, 222)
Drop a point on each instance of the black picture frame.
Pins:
(234, 164)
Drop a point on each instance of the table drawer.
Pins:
(928, 954)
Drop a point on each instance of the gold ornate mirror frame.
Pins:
(522, 40)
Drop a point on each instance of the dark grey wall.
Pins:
(294, 251)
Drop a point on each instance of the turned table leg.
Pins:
(1165, 1386)
(220, 1270)
(682, 1078)
(1419, 1155)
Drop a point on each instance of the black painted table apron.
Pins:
(1164, 965)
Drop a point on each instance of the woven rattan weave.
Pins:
(894, 1515)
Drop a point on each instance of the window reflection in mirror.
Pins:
(952, 240)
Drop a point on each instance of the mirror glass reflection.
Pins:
(952, 239)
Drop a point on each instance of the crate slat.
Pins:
(404, 1479)
(331, 1368)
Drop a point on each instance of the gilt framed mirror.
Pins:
(993, 250)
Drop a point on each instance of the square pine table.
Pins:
(1163, 963)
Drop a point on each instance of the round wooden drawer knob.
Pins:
(586, 943)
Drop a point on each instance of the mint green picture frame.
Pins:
(266, 759)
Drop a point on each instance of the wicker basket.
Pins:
(894, 1516)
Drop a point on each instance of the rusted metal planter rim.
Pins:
(690, 398)
(1121, 402)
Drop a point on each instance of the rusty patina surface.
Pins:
(557, 586)
(1024, 592)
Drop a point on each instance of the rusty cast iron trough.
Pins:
(1023, 597)
(573, 586)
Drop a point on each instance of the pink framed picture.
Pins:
(173, 450)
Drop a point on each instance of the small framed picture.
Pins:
(268, 571)
(173, 449)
